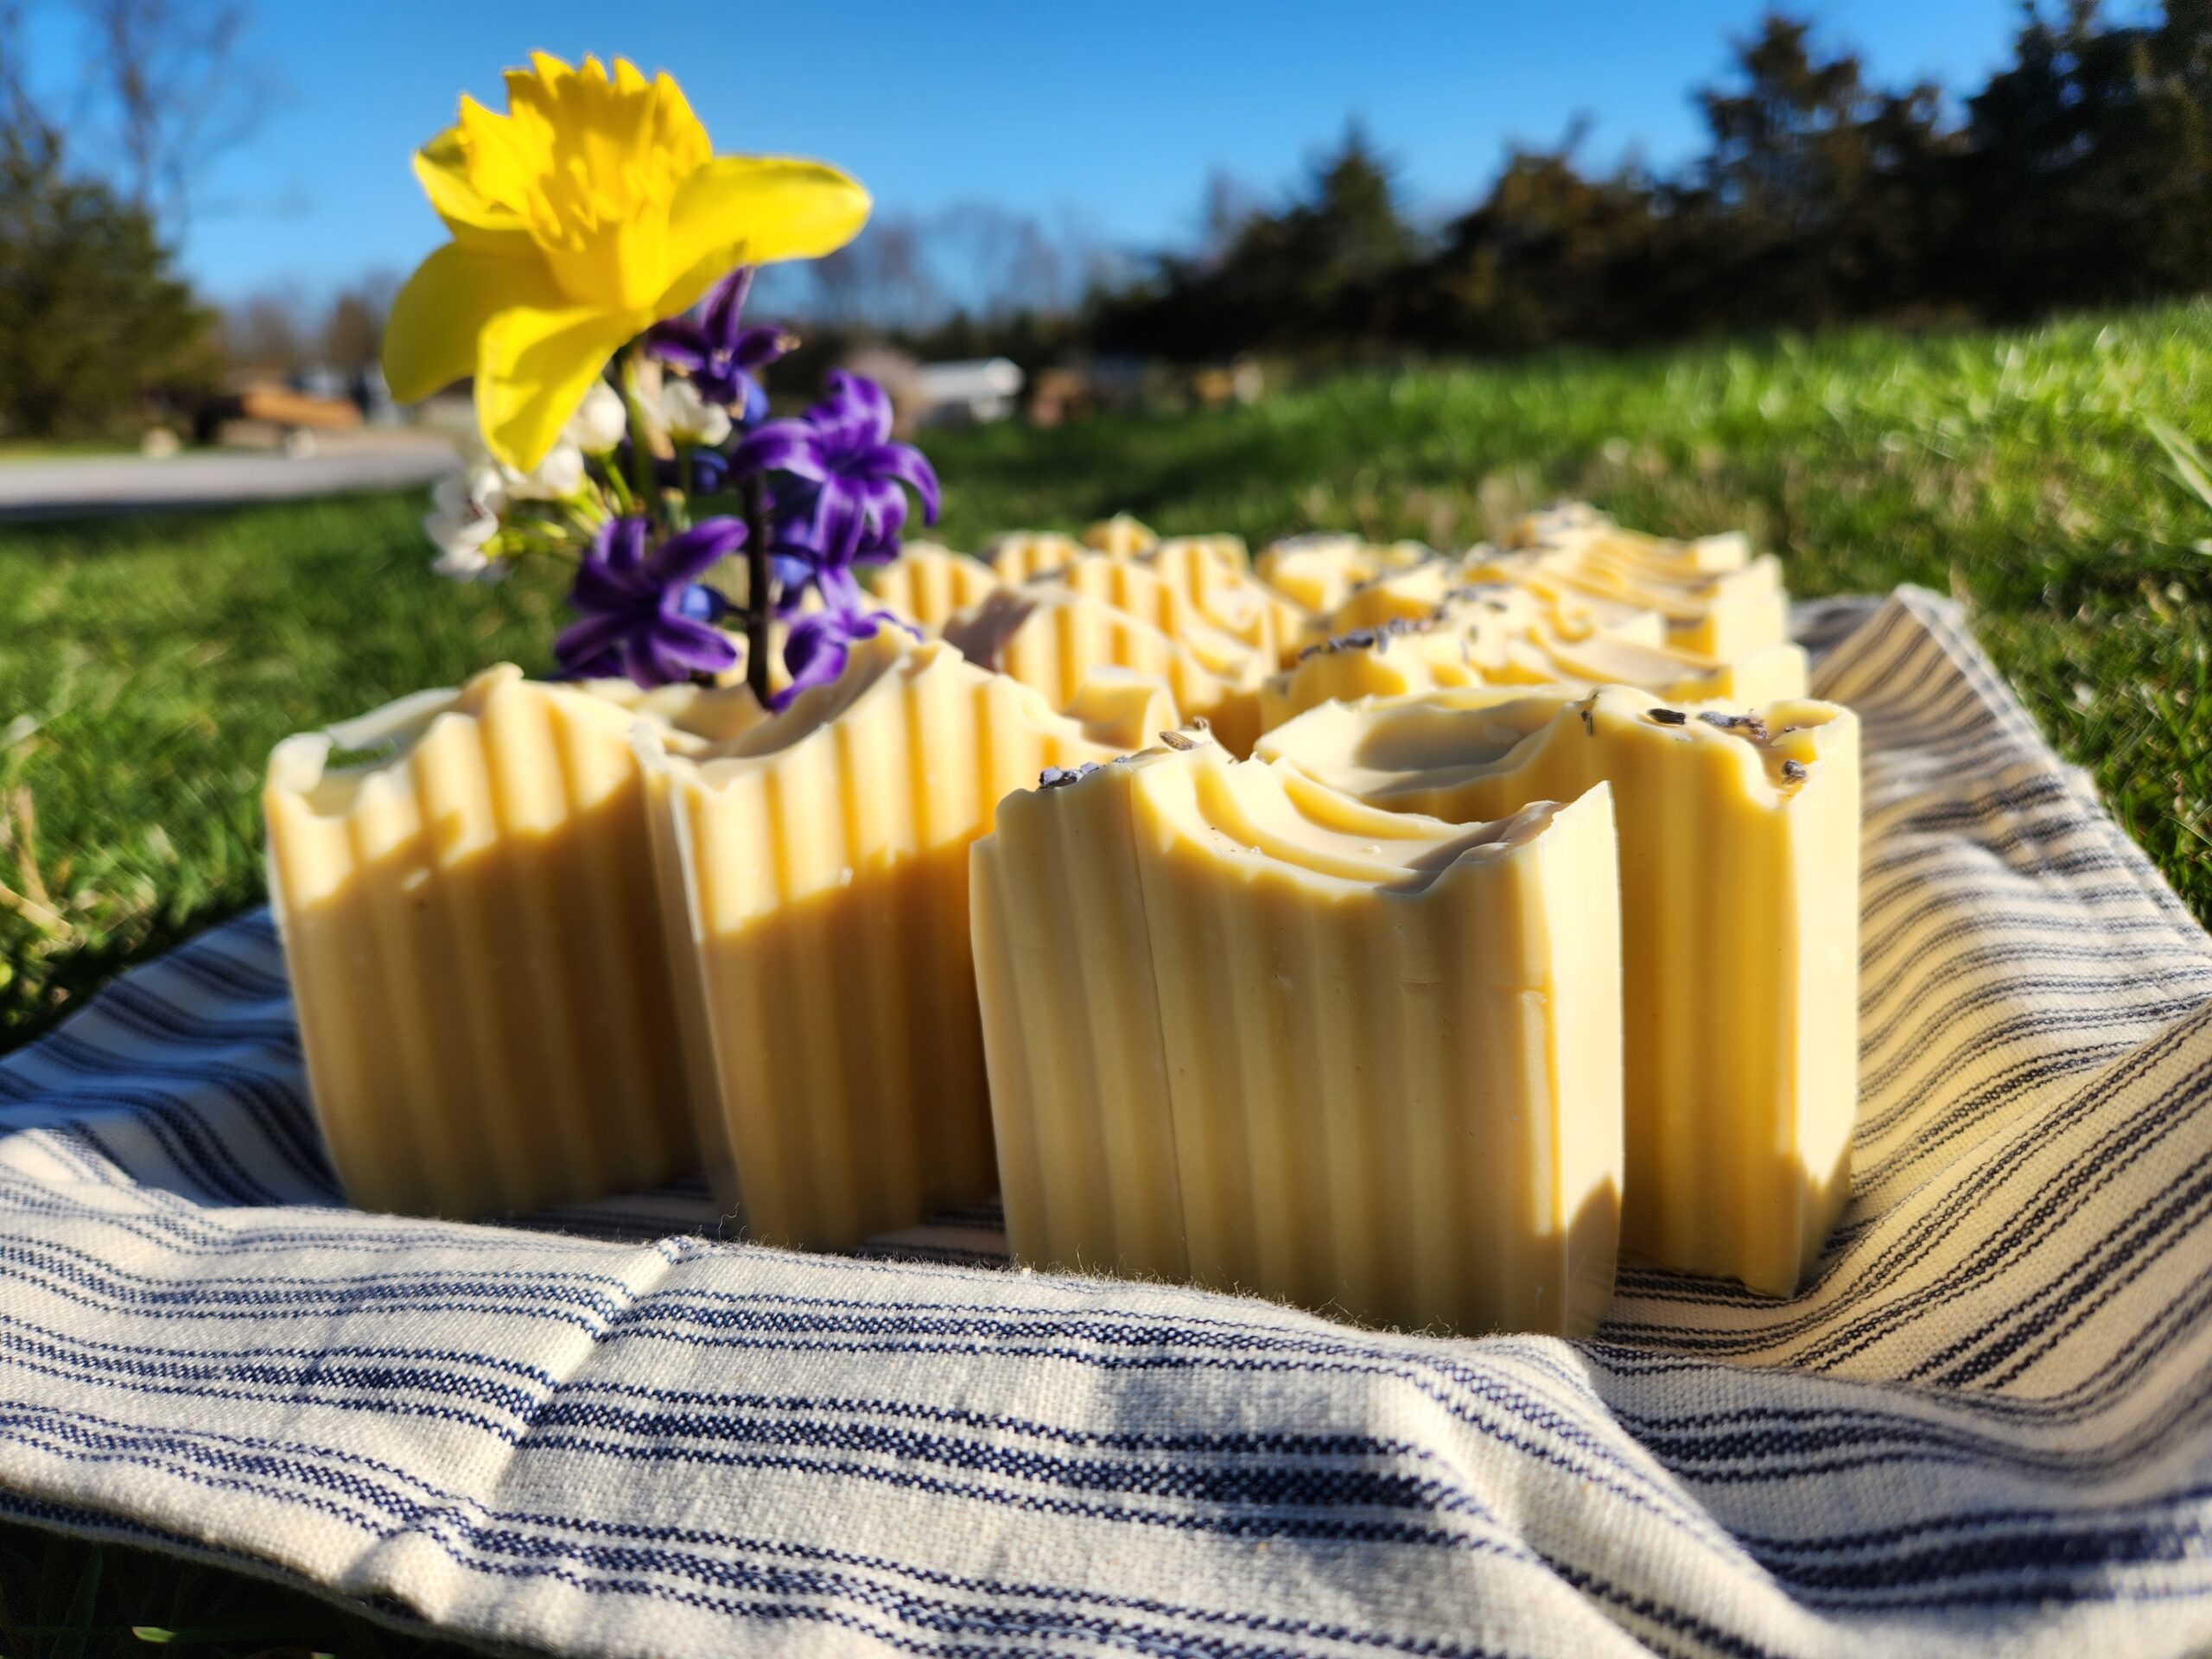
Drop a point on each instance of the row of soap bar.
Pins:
(1289, 973)
(499, 1015)
(1570, 600)
(553, 942)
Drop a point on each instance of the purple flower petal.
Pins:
(841, 592)
(597, 590)
(860, 404)
(688, 556)
(680, 343)
(756, 348)
(621, 546)
(840, 517)
(725, 301)
(780, 447)
(695, 646)
(814, 654)
(910, 467)
(589, 641)
(703, 604)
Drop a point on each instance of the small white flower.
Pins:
(460, 539)
(600, 421)
(689, 418)
(557, 476)
(464, 516)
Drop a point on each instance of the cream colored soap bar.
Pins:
(1377, 1056)
(1080, 1086)
(1740, 907)
(1467, 645)
(1121, 536)
(1721, 617)
(1317, 573)
(1020, 555)
(475, 949)
(820, 863)
(927, 583)
(1050, 637)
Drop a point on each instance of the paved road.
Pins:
(104, 484)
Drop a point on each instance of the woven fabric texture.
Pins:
(1987, 1427)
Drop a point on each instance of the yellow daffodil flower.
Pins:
(591, 210)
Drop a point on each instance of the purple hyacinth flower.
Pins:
(820, 643)
(644, 612)
(849, 473)
(723, 357)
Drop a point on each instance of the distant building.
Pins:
(965, 393)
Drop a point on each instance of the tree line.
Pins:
(2078, 175)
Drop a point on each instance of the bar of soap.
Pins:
(927, 583)
(1121, 536)
(1019, 555)
(1739, 834)
(820, 864)
(1317, 573)
(476, 949)
(1078, 1075)
(1578, 526)
(1464, 643)
(1441, 589)
(1048, 636)
(1722, 616)
(1377, 1056)
(1182, 590)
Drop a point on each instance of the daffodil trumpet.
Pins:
(592, 209)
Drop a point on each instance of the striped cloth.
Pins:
(1989, 1424)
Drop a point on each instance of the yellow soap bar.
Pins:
(1079, 1090)
(1740, 882)
(476, 949)
(927, 583)
(1019, 555)
(1464, 643)
(1050, 637)
(1576, 525)
(820, 863)
(1389, 1047)
(1722, 616)
(1121, 536)
(1317, 572)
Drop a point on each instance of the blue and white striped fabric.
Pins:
(1988, 1426)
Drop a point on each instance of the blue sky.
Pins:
(1114, 114)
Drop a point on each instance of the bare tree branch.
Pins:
(180, 90)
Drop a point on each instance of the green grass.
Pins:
(146, 665)
(13, 449)
(60, 1598)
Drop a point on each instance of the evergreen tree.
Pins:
(92, 320)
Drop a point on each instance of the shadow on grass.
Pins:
(64, 1598)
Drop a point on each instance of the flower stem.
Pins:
(641, 455)
(757, 611)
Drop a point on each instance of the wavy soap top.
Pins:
(687, 720)
(1275, 822)
(1417, 750)
(890, 669)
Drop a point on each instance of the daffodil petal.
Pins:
(775, 207)
(443, 168)
(534, 363)
(688, 289)
(503, 163)
(430, 339)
